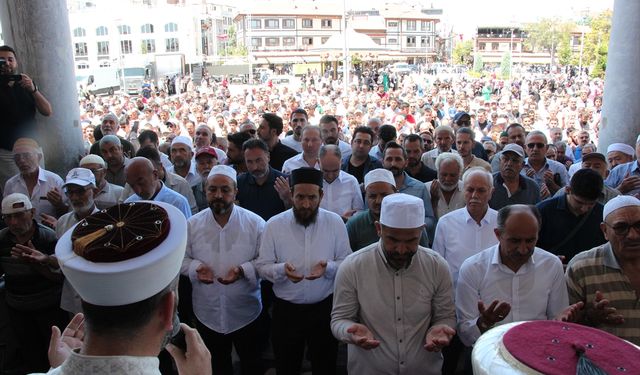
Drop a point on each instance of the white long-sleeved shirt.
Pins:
(458, 237)
(224, 308)
(536, 292)
(342, 194)
(296, 162)
(284, 240)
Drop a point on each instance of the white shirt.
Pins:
(192, 177)
(342, 194)
(79, 364)
(458, 237)
(108, 196)
(291, 142)
(456, 202)
(536, 292)
(168, 196)
(46, 181)
(345, 148)
(429, 157)
(284, 240)
(296, 162)
(69, 299)
(224, 308)
(573, 168)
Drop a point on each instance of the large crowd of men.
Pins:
(311, 214)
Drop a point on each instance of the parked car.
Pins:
(401, 68)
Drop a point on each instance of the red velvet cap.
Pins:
(552, 347)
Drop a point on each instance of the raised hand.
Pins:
(234, 274)
(61, 344)
(438, 337)
(289, 270)
(204, 274)
(362, 337)
(318, 270)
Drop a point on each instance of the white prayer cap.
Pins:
(133, 257)
(379, 175)
(402, 211)
(619, 202)
(92, 159)
(224, 170)
(182, 139)
(621, 147)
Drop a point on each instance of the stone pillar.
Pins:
(39, 32)
(620, 112)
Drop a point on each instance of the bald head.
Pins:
(142, 177)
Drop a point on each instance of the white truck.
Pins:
(166, 65)
(131, 79)
(101, 81)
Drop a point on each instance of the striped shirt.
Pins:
(598, 269)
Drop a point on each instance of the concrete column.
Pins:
(39, 32)
(620, 111)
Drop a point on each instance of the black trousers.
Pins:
(33, 333)
(247, 342)
(295, 325)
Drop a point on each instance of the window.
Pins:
(495, 46)
(307, 41)
(272, 42)
(82, 65)
(256, 42)
(411, 25)
(411, 41)
(288, 41)
(324, 39)
(423, 25)
(103, 48)
(79, 32)
(482, 46)
(124, 30)
(307, 23)
(147, 28)
(392, 41)
(148, 46)
(326, 23)
(271, 24)
(125, 47)
(172, 45)
(392, 24)
(256, 24)
(425, 41)
(105, 64)
(102, 31)
(170, 27)
(377, 41)
(81, 49)
(288, 23)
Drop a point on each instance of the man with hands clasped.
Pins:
(300, 253)
(393, 301)
(222, 244)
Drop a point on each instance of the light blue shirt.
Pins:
(169, 196)
(418, 189)
(619, 172)
(550, 165)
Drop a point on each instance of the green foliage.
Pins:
(478, 64)
(232, 48)
(596, 44)
(505, 65)
(565, 54)
(547, 35)
(462, 52)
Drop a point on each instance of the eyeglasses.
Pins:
(97, 170)
(250, 131)
(298, 120)
(512, 159)
(70, 192)
(622, 229)
(17, 215)
(536, 145)
(23, 155)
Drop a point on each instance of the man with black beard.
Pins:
(300, 253)
(298, 120)
(222, 244)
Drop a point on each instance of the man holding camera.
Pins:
(19, 100)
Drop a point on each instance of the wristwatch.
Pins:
(35, 88)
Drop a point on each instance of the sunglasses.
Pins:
(622, 229)
(536, 145)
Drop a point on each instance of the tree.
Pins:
(596, 43)
(547, 34)
(478, 64)
(505, 65)
(232, 48)
(462, 52)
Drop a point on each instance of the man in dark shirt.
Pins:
(414, 146)
(359, 163)
(571, 222)
(509, 186)
(109, 126)
(269, 130)
(19, 100)
(32, 286)
(263, 189)
(463, 120)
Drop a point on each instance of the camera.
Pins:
(7, 77)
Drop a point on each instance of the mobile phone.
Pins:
(177, 336)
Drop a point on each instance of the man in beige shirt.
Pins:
(393, 301)
(464, 145)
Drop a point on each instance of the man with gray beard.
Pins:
(445, 192)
